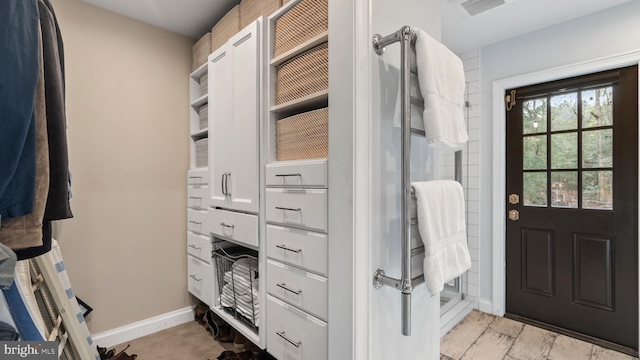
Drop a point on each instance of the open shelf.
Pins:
(313, 42)
(202, 133)
(199, 71)
(245, 330)
(309, 102)
(200, 101)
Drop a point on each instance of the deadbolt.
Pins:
(514, 215)
(514, 199)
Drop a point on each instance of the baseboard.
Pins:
(456, 314)
(486, 306)
(142, 328)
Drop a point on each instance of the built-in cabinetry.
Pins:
(199, 264)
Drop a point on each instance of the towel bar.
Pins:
(406, 36)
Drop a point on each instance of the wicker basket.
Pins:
(304, 21)
(204, 84)
(202, 153)
(303, 75)
(253, 9)
(228, 26)
(200, 51)
(303, 136)
(203, 113)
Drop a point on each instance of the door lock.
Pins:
(514, 215)
(514, 199)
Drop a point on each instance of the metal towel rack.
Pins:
(406, 37)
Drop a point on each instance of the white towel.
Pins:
(442, 229)
(442, 83)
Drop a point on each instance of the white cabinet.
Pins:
(234, 113)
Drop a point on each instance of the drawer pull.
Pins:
(282, 335)
(228, 226)
(194, 247)
(287, 209)
(195, 278)
(289, 174)
(283, 247)
(195, 222)
(195, 197)
(284, 286)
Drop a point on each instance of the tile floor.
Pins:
(481, 336)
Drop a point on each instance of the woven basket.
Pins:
(200, 51)
(204, 84)
(202, 152)
(228, 26)
(203, 113)
(253, 9)
(304, 21)
(303, 136)
(303, 75)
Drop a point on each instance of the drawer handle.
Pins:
(282, 335)
(195, 278)
(194, 247)
(284, 286)
(289, 174)
(287, 209)
(195, 222)
(195, 197)
(225, 225)
(283, 247)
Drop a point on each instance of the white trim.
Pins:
(142, 328)
(485, 305)
(499, 119)
(456, 314)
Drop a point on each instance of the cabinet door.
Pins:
(244, 48)
(220, 125)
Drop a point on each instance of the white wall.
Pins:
(603, 34)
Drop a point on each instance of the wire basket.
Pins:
(237, 275)
(304, 21)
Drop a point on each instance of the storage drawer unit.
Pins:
(198, 177)
(196, 221)
(233, 226)
(200, 279)
(299, 288)
(297, 174)
(199, 246)
(293, 334)
(305, 208)
(301, 248)
(198, 197)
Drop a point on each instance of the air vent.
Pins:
(475, 7)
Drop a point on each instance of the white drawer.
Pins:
(198, 197)
(298, 287)
(305, 208)
(293, 334)
(199, 246)
(196, 221)
(198, 177)
(200, 279)
(236, 227)
(308, 173)
(298, 247)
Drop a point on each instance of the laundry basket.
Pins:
(237, 275)
(304, 21)
(303, 75)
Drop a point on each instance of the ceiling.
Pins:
(460, 32)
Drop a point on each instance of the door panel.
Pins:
(571, 253)
(220, 125)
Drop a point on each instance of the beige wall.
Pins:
(127, 113)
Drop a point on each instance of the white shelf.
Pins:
(238, 325)
(200, 133)
(200, 101)
(199, 71)
(308, 101)
(313, 42)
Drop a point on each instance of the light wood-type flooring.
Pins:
(481, 336)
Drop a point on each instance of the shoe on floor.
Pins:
(246, 355)
(238, 341)
(228, 337)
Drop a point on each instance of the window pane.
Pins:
(534, 152)
(535, 189)
(597, 148)
(597, 107)
(564, 189)
(534, 116)
(564, 151)
(564, 112)
(597, 189)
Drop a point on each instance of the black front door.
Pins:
(572, 227)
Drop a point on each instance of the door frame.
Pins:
(499, 154)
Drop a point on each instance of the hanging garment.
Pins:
(19, 54)
(31, 252)
(7, 266)
(26, 231)
(58, 207)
